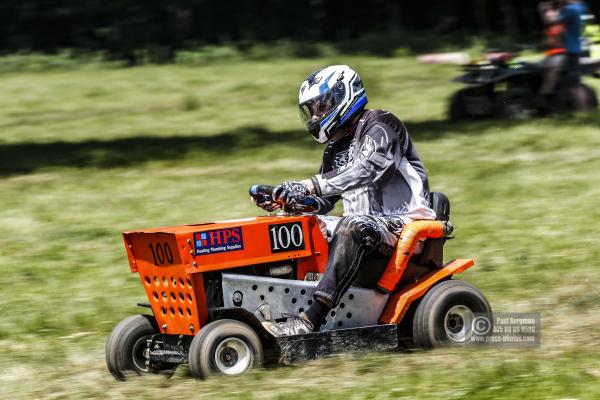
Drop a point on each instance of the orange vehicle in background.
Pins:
(210, 285)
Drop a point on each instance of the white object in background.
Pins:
(444, 58)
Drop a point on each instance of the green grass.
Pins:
(87, 154)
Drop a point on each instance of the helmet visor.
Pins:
(317, 109)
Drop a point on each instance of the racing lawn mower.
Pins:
(502, 88)
(210, 286)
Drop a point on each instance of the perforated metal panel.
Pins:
(171, 296)
(358, 307)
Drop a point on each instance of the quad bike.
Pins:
(210, 286)
(502, 88)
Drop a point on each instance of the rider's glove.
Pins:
(308, 205)
(291, 192)
(265, 202)
(268, 205)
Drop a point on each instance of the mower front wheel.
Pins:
(226, 347)
(449, 313)
(126, 348)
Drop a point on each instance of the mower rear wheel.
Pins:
(126, 348)
(447, 314)
(226, 347)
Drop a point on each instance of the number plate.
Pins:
(161, 253)
(157, 249)
(286, 237)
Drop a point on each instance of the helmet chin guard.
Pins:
(328, 99)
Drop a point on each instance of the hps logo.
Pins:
(218, 241)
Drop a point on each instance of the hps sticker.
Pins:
(218, 241)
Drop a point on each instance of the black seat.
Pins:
(439, 203)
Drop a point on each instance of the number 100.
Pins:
(283, 237)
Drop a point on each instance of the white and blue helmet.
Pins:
(329, 98)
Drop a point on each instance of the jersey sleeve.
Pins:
(325, 204)
(380, 149)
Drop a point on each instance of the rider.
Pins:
(372, 165)
(571, 15)
(555, 53)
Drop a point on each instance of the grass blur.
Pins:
(88, 153)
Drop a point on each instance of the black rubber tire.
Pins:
(591, 97)
(125, 346)
(429, 318)
(456, 110)
(578, 98)
(201, 358)
(515, 104)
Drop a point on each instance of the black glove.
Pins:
(268, 206)
(291, 192)
(266, 203)
(308, 205)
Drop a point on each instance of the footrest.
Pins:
(313, 345)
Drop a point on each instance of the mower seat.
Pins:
(432, 254)
(429, 257)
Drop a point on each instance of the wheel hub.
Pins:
(458, 323)
(140, 354)
(233, 356)
(229, 357)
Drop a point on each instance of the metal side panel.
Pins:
(358, 307)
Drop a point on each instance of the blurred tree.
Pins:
(153, 29)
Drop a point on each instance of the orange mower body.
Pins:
(210, 285)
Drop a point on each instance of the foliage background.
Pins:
(136, 30)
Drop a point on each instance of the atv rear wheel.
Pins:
(447, 312)
(578, 98)
(126, 348)
(226, 347)
(590, 98)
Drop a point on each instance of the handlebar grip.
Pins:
(257, 190)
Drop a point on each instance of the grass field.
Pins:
(87, 154)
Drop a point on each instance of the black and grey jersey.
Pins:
(376, 171)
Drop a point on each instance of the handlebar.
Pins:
(264, 193)
(261, 190)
